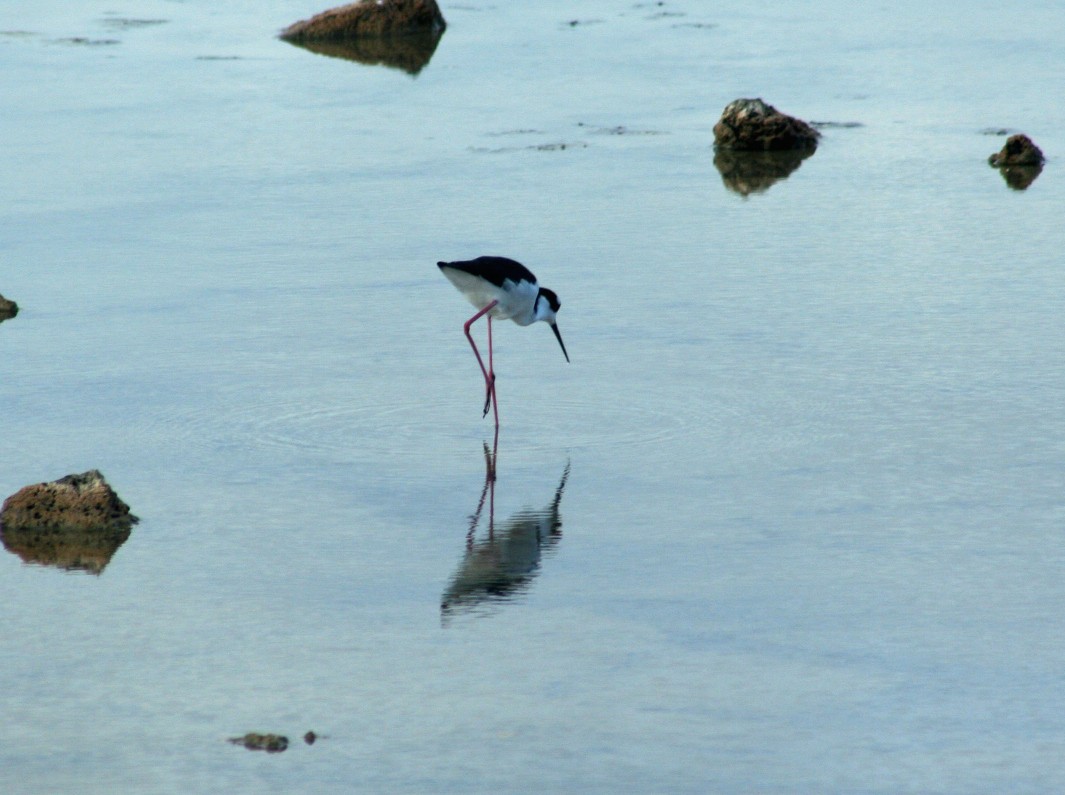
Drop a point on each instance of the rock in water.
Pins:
(8, 309)
(1018, 151)
(254, 741)
(75, 523)
(74, 502)
(756, 126)
(369, 18)
(1020, 161)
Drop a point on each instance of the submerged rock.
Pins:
(1020, 161)
(8, 309)
(755, 126)
(74, 502)
(253, 741)
(369, 18)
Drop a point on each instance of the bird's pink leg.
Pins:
(491, 380)
(489, 375)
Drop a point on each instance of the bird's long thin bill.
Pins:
(558, 336)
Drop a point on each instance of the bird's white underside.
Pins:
(517, 300)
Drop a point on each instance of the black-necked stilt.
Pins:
(500, 287)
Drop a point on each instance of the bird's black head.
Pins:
(551, 298)
(547, 314)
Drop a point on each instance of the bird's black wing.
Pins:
(493, 269)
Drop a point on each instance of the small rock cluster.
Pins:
(271, 743)
(757, 145)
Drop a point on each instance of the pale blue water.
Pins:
(812, 438)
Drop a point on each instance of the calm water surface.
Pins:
(790, 521)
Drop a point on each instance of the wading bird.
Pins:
(502, 288)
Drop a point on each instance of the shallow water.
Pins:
(794, 504)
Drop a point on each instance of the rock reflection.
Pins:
(88, 550)
(1020, 177)
(754, 172)
(411, 52)
(504, 563)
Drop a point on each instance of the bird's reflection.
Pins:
(504, 561)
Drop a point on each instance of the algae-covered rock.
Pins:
(756, 126)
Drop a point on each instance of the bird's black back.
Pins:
(493, 269)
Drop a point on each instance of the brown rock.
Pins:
(369, 18)
(1018, 151)
(8, 309)
(1020, 161)
(74, 502)
(755, 126)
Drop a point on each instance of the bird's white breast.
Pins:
(517, 300)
